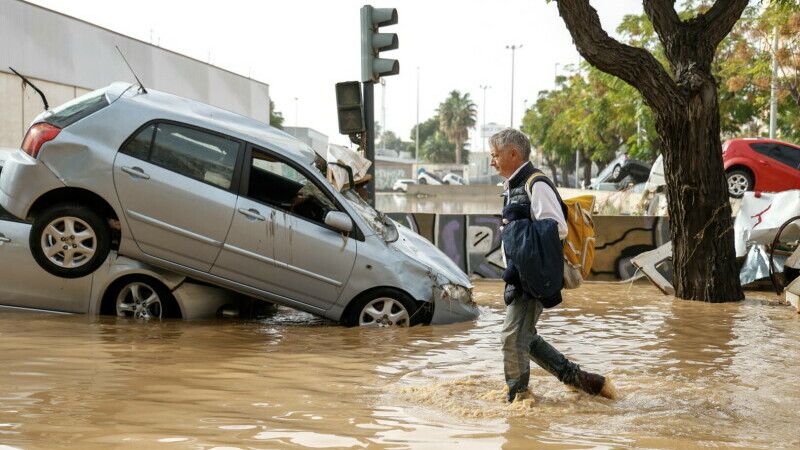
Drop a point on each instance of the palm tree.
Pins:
(457, 115)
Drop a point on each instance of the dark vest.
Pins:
(516, 187)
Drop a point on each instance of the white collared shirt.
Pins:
(544, 204)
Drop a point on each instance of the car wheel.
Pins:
(739, 182)
(616, 172)
(141, 297)
(70, 240)
(423, 181)
(382, 308)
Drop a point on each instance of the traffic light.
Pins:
(372, 43)
(350, 107)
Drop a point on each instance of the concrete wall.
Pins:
(68, 57)
(472, 241)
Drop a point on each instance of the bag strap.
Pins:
(540, 176)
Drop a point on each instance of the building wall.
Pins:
(66, 57)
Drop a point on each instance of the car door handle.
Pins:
(4, 239)
(136, 171)
(251, 213)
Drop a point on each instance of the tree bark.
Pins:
(686, 109)
(458, 152)
(586, 163)
(565, 175)
(553, 171)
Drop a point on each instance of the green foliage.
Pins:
(599, 115)
(275, 117)
(457, 114)
(438, 149)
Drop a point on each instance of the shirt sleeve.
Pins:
(545, 205)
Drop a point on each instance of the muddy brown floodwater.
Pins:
(689, 374)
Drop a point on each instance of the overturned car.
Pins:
(220, 198)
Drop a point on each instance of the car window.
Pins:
(196, 154)
(76, 109)
(279, 184)
(139, 145)
(789, 155)
(771, 151)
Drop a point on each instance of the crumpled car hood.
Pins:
(421, 250)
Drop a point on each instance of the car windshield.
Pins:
(376, 220)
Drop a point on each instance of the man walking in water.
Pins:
(510, 153)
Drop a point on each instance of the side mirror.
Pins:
(339, 220)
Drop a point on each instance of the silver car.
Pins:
(220, 198)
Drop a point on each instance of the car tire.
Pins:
(739, 182)
(382, 307)
(423, 181)
(141, 297)
(615, 173)
(67, 225)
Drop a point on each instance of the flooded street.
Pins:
(688, 374)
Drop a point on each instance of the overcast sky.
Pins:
(301, 48)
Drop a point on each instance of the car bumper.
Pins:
(453, 303)
(22, 181)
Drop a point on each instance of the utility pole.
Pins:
(416, 137)
(383, 114)
(555, 78)
(483, 127)
(295, 117)
(773, 106)
(513, 48)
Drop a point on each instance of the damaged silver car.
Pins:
(221, 198)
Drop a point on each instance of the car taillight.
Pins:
(36, 136)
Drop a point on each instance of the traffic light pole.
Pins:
(369, 119)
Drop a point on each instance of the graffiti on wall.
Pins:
(472, 241)
(385, 178)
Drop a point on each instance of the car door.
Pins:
(23, 283)
(775, 171)
(175, 183)
(278, 240)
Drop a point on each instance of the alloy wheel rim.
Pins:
(69, 242)
(384, 312)
(737, 184)
(140, 301)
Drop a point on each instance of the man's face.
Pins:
(505, 161)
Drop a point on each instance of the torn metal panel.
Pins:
(756, 265)
(648, 263)
(761, 214)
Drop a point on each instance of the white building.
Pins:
(67, 57)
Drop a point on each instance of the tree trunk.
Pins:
(701, 226)
(565, 175)
(458, 152)
(553, 172)
(586, 163)
(686, 108)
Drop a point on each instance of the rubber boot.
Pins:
(595, 384)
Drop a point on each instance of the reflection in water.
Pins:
(688, 374)
(389, 203)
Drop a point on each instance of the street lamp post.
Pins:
(555, 77)
(513, 48)
(483, 127)
(295, 117)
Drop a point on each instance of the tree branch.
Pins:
(635, 65)
(720, 19)
(664, 18)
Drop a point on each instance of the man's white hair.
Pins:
(509, 137)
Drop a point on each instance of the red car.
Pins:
(763, 165)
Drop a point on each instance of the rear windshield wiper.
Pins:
(25, 81)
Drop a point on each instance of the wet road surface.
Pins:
(688, 374)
